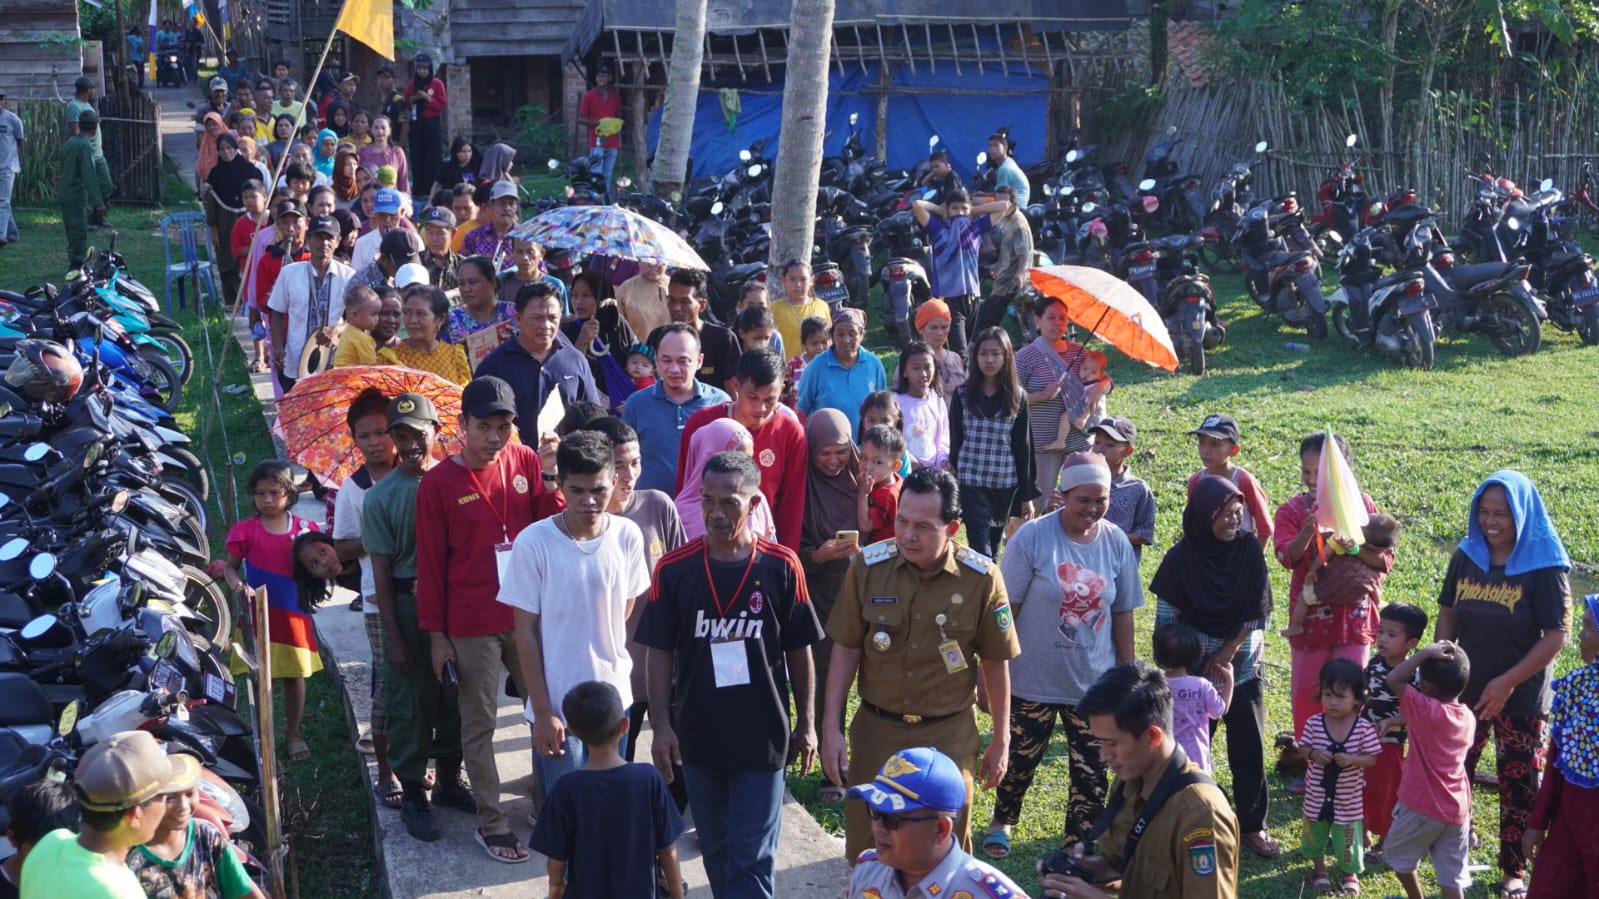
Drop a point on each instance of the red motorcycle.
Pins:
(1344, 211)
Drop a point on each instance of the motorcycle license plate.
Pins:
(834, 295)
(1137, 270)
(1585, 297)
(165, 676)
(1425, 301)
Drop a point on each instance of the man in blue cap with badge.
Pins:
(913, 802)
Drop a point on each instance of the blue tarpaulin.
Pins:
(962, 121)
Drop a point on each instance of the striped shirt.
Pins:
(1348, 803)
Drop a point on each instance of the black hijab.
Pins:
(227, 178)
(1217, 586)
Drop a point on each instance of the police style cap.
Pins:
(915, 779)
(412, 410)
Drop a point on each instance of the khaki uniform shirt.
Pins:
(884, 594)
(1190, 849)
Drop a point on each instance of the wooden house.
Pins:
(40, 48)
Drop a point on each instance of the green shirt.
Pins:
(81, 180)
(74, 107)
(388, 522)
(207, 868)
(60, 866)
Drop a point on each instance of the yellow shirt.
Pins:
(356, 347)
(447, 360)
(788, 317)
(458, 241)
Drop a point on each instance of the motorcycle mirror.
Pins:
(1147, 184)
(42, 566)
(119, 502)
(167, 645)
(717, 207)
(854, 117)
(677, 196)
(36, 451)
(982, 158)
(1089, 207)
(754, 171)
(1350, 141)
(1261, 147)
(1170, 130)
(744, 156)
(1068, 190)
(1071, 156)
(12, 548)
(69, 719)
(4, 500)
(1049, 190)
(74, 274)
(38, 627)
(91, 455)
(1484, 157)
(5, 409)
(1546, 185)
(554, 165)
(1513, 223)
(932, 142)
(624, 181)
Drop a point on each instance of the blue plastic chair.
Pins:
(191, 230)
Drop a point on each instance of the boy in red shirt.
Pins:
(881, 449)
(240, 241)
(468, 510)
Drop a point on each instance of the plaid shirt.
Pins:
(1013, 241)
(442, 272)
(485, 242)
(986, 459)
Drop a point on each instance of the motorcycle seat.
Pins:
(1467, 275)
(1560, 259)
(25, 701)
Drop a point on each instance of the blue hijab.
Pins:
(1537, 543)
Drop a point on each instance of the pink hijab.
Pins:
(719, 435)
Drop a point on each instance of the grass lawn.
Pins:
(1422, 441)
(330, 835)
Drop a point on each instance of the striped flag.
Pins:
(194, 11)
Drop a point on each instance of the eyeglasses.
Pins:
(892, 822)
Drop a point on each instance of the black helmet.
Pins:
(45, 370)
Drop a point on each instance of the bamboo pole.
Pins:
(266, 737)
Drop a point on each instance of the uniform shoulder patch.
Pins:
(1002, 618)
(974, 560)
(1202, 857)
(989, 882)
(869, 855)
(881, 551)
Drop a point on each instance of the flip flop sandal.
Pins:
(356, 604)
(364, 746)
(1321, 883)
(996, 844)
(1350, 885)
(1518, 891)
(389, 795)
(1262, 845)
(491, 842)
(298, 750)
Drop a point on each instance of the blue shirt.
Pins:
(1009, 174)
(827, 384)
(564, 369)
(659, 421)
(955, 246)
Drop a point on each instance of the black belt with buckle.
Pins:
(904, 719)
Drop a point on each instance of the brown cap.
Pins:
(126, 770)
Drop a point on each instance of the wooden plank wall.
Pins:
(512, 27)
(39, 57)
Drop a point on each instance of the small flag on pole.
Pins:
(150, 41)
(1339, 506)
(371, 22)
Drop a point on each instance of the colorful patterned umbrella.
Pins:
(311, 416)
(610, 231)
(1339, 507)
(1112, 309)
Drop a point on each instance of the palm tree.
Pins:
(799, 144)
(682, 94)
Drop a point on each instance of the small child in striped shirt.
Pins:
(1339, 745)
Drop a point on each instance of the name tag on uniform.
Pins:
(731, 662)
(954, 659)
(502, 560)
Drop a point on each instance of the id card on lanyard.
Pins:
(730, 660)
(502, 549)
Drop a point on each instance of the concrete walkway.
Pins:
(810, 861)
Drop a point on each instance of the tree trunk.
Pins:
(1385, 96)
(799, 144)
(682, 95)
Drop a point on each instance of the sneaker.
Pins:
(418, 817)
(453, 792)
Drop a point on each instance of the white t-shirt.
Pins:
(580, 591)
(347, 525)
(366, 249)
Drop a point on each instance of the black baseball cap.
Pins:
(1221, 427)
(288, 206)
(326, 224)
(487, 396)
(400, 245)
(386, 69)
(1117, 428)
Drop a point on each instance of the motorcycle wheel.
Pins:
(1512, 328)
(196, 477)
(1317, 326)
(1588, 327)
(1340, 323)
(175, 350)
(1217, 259)
(164, 378)
(1196, 357)
(207, 598)
(1419, 352)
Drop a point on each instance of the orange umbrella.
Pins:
(1110, 308)
(311, 416)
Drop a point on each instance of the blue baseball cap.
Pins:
(387, 200)
(914, 779)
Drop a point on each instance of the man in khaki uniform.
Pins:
(1189, 843)
(918, 617)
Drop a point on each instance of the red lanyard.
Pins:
(505, 529)
(721, 612)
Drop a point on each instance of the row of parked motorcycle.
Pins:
(108, 618)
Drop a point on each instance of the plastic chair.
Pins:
(189, 262)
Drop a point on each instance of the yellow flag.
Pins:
(371, 22)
